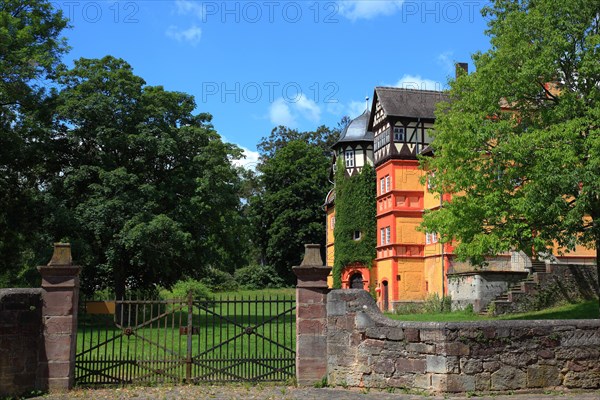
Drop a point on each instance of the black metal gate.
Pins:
(131, 341)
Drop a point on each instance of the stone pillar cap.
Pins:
(61, 263)
(311, 272)
(62, 255)
(312, 255)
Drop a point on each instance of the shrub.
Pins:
(219, 281)
(181, 289)
(258, 277)
(434, 304)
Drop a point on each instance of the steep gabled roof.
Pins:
(356, 131)
(409, 103)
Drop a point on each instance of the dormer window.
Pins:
(399, 134)
(349, 157)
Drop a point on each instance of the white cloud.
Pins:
(281, 114)
(336, 108)
(191, 35)
(356, 108)
(446, 60)
(352, 109)
(250, 160)
(368, 9)
(186, 7)
(308, 108)
(287, 113)
(417, 82)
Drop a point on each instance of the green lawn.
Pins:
(585, 310)
(253, 294)
(231, 338)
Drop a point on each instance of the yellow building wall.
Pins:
(329, 243)
(406, 231)
(430, 200)
(411, 286)
(433, 275)
(407, 177)
(578, 255)
(330, 238)
(383, 272)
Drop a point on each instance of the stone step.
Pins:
(538, 266)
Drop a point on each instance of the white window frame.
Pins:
(399, 134)
(388, 183)
(388, 235)
(355, 236)
(382, 236)
(431, 237)
(349, 157)
(381, 186)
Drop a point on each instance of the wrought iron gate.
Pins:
(223, 340)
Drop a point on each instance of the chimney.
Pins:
(461, 68)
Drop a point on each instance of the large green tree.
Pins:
(148, 193)
(30, 49)
(519, 138)
(287, 211)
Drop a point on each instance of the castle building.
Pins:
(409, 265)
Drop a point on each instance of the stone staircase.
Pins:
(519, 289)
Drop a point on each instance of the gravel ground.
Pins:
(267, 392)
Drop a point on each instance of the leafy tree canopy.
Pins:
(519, 140)
(323, 137)
(30, 51)
(148, 192)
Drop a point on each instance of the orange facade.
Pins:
(409, 262)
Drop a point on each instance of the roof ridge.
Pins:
(409, 89)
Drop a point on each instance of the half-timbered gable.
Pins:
(355, 145)
(401, 122)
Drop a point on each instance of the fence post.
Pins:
(60, 294)
(190, 328)
(311, 317)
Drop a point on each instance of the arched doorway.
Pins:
(385, 302)
(356, 281)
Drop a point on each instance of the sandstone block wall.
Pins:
(20, 338)
(366, 349)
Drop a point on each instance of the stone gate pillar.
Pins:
(60, 294)
(311, 317)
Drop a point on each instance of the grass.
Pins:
(253, 294)
(230, 339)
(584, 310)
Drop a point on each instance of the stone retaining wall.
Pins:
(366, 349)
(560, 283)
(479, 288)
(20, 339)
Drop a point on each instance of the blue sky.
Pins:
(257, 64)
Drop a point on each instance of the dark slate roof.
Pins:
(356, 131)
(410, 103)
